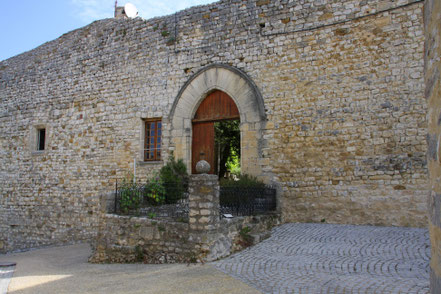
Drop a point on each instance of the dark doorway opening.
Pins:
(227, 148)
(216, 135)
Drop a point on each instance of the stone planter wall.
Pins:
(204, 238)
(131, 239)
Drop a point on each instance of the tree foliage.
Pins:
(174, 177)
(227, 139)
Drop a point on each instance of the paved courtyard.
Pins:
(65, 270)
(298, 258)
(325, 258)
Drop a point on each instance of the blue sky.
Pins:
(26, 24)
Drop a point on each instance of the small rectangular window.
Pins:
(152, 142)
(41, 138)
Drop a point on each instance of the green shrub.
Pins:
(246, 238)
(139, 253)
(155, 191)
(233, 164)
(174, 177)
(128, 193)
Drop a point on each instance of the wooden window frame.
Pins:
(148, 153)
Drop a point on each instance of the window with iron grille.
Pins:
(152, 143)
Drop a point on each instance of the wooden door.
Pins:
(217, 106)
(203, 144)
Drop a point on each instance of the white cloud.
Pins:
(91, 10)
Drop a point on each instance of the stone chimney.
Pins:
(119, 11)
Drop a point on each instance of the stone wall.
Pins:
(350, 148)
(123, 239)
(140, 239)
(432, 15)
(341, 86)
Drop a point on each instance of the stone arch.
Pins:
(245, 94)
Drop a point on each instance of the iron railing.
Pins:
(141, 200)
(152, 200)
(242, 201)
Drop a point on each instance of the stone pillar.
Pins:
(203, 203)
(432, 26)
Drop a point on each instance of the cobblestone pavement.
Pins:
(325, 258)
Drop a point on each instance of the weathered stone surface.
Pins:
(204, 192)
(137, 239)
(202, 167)
(124, 239)
(332, 112)
(432, 23)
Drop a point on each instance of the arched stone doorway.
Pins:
(248, 100)
(217, 106)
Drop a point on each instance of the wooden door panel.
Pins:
(217, 106)
(203, 144)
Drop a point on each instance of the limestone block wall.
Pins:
(346, 120)
(432, 15)
(343, 133)
(123, 239)
(140, 239)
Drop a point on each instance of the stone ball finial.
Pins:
(202, 167)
